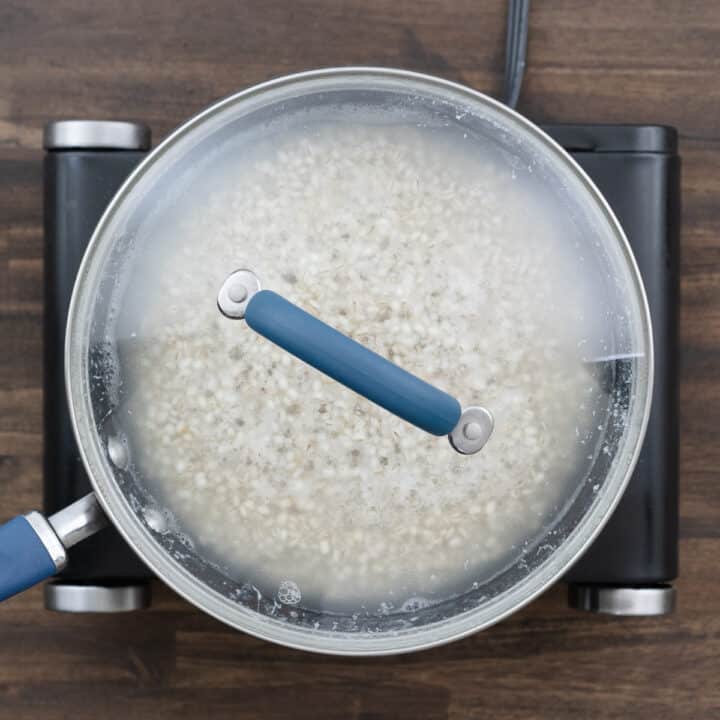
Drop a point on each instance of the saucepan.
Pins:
(359, 361)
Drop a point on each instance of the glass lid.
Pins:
(297, 484)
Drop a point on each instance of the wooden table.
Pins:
(654, 62)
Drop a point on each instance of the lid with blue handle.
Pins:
(298, 300)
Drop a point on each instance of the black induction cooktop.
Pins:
(630, 567)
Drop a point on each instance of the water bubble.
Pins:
(155, 519)
(289, 593)
(117, 452)
(414, 604)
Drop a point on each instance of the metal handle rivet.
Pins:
(473, 431)
(237, 291)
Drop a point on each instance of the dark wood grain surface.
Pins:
(655, 62)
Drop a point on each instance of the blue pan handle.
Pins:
(25, 559)
(33, 548)
(350, 363)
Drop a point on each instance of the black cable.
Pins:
(515, 49)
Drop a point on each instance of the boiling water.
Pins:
(438, 254)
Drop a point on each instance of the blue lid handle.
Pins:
(352, 364)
